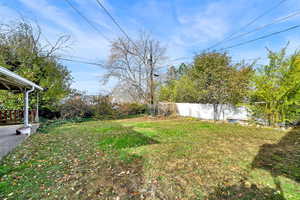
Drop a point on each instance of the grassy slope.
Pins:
(163, 159)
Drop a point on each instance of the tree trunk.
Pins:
(215, 107)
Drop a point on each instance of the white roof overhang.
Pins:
(12, 81)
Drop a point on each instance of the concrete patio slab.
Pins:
(9, 140)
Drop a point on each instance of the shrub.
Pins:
(85, 106)
(102, 107)
(132, 108)
(76, 106)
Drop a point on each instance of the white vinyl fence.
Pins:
(206, 111)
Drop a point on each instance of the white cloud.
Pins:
(197, 29)
(51, 13)
(186, 26)
(210, 23)
(8, 14)
(56, 21)
(88, 43)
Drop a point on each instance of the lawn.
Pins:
(143, 158)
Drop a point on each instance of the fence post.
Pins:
(10, 115)
(32, 112)
(5, 115)
(15, 116)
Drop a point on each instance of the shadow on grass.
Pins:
(127, 138)
(79, 170)
(281, 159)
(127, 176)
(244, 192)
(285, 163)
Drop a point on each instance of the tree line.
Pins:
(270, 91)
(23, 52)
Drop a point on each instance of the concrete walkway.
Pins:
(9, 140)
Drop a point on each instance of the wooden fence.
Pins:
(15, 116)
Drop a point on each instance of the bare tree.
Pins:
(134, 64)
(24, 51)
(24, 34)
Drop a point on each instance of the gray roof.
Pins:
(12, 81)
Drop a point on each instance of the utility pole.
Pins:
(152, 111)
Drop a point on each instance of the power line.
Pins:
(122, 30)
(181, 58)
(248, 24)
(151, 64)
(80, 61)
(115, 21)
(259, 38)
(283, 19)
(76, 57)
(87, 20)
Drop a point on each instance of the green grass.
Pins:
(154, 159)
(127, 140)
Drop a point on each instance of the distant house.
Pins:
(120, 96)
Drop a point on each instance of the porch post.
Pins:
(26, 99)
(25, 108)
(37, 108)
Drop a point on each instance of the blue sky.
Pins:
(184, 26)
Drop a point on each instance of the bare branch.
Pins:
(129, 63)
